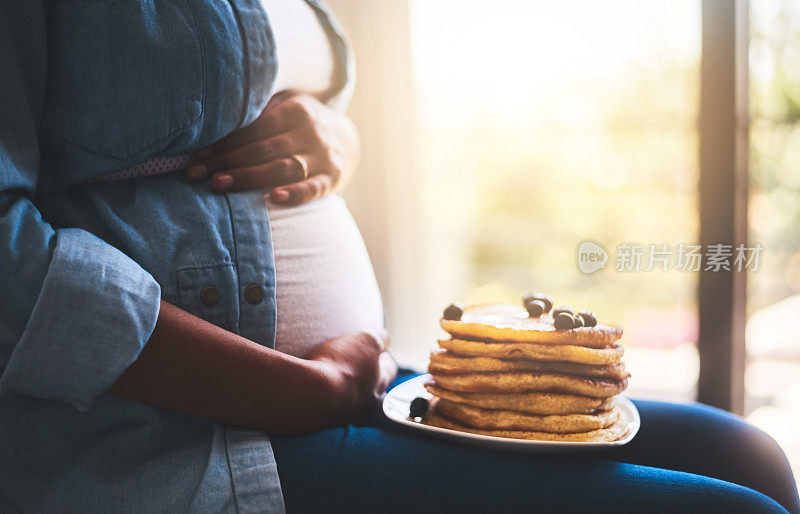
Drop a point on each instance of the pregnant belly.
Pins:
(325, 285)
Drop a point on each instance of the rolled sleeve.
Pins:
(95, 312)
(75, 312)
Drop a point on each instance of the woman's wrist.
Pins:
(330, 397)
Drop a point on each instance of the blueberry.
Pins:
(589, 319)
(547, 300)
(577, 321)
(454, 311)
(563, 321)
(535, 308)
(561, 309)
(419, 407)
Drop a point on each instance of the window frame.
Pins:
(723, 195)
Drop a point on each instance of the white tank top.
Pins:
(306, 60)
(325, 285)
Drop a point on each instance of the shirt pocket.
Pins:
(123, 76)
(211, 293)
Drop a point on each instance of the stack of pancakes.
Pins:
(505, 374)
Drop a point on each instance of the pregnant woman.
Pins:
(188, 312)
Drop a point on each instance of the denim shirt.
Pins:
(86, 88)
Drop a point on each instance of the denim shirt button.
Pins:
(254, 294)
(210, 296)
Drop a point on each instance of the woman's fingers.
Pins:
(259, 152)
(275, 173)
(379, 336)
(265, 126)
(388, 371)
(261, 155)
(312, 188)
(283, 112)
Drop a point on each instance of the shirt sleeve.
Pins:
(346, 66)
(75, 312)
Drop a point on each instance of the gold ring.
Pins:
(303, 164)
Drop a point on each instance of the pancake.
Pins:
(543, 352)
(489, 419)
(449, 362)
(612, 433)
(531, 403)
(510, 323)
(516, 382)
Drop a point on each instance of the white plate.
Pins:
(398, 400)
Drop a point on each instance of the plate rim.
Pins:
(633, 425)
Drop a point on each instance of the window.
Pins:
(539, 129)
(497, 139)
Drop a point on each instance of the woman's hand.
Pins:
(360, 370)
(259, 156)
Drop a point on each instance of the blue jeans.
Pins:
(692, 458)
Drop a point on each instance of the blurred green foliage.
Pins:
(774, 210)
(614, 160)
(538, 190)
